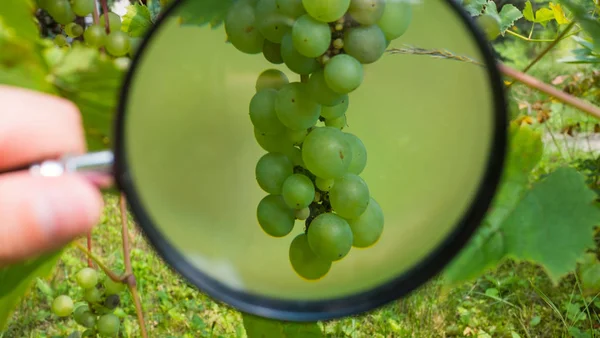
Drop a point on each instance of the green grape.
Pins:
(272, 143)
(79, 311)
(272, 169)
(295, 61)
(298, 191)
(490, 26)
(368, 227)
(304, 261)
(326, 152)
(330, 237)
(291, 8)
(272, 24)
(83, 7)
(73, 30)
(338, 43)
(113, 288)
(87, 278)
(337, 110)
(396, 18)
(324, 184)
(295, 108)
(262, 112)
(114, 21)
(86, 319)
(303, 214)
(349, 196)
(240, 26)
(359, 154)
(91, 333)
(275, 217)
(326, 10)
(339, 122)
(367, 12)
(310, 37)
(42, 4)
(296, 136)
(95, 36)
(93, 296)
(272, 52)
(60, 40)
(321, 92)
(62, 306)
(117, 43)
(61, 11)
(271, 78)
(295, 155)
(343, 73)
(366, 43)
(108, 325)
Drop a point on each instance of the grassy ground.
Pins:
(516, 300)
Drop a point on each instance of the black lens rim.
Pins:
(307, 311)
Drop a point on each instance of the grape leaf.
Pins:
(542, 15)
(154, 8)
(475, 7)
(508, 15)
(559, 14)
(16, 279)
(486, 249)
(528, 12)
(91, 81)
(17, 19)
(553, 224)
(590, 24)
(200, 13)
(258, 327)
(589, 274)
(137, 20)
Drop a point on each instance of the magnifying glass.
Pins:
(299, 162)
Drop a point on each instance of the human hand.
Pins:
(40, 214)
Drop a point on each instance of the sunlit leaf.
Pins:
(559, 14)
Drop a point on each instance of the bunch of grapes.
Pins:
(101, 298)
(117, 43)
(311, 171)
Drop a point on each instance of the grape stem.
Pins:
(95, 15)
(89, 247)
(130, 280)
(102, 266)
(304, 78)
(105, 12)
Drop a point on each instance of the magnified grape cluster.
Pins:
(65, 12)
(312, 169)
(101, 299)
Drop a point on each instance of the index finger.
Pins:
(36, 126)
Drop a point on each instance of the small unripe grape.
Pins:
(87, 278)
(62, 306)
(113, 288)
(108, 325)
(60, 40)
(117, 43)
(73, 30)
(92, 296)
(95, 36)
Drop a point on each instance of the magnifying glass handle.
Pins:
(97, 167)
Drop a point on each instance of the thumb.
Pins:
(39, 214)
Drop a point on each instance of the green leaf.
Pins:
(487, 248)
(137, 20)
(491, 9)
(200, 13)
(543, 15)
(553, 224)
(258, 327)
(589, 274)
(475, 7)
(528, 12)
(559, 14)
(16, 279)
(589, 23)
(91, 81)
(508, 15)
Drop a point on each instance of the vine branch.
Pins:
(97, 260)
(543, 87)
(105, 12)
(131, 282)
